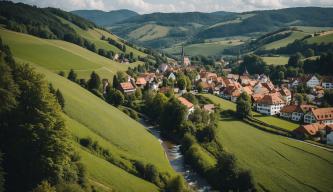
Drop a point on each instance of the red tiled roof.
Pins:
(126, 86)
(271, 99)
(323, 113)
(185, 102)
(289, 109)
(140, 81)
(285, 92)
(310, 129)
(256, 97)
(209, 107)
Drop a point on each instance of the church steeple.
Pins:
(245, 71)
(182, 55)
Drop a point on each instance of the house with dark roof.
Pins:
(295, 112)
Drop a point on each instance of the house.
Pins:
(308, 130)
(294, 83)
(172, 76)
(295, 112)
(320, 115)
(234, 77)
(163, 68)
(187, 61)
(127, 88)
(327, 82)
(270, 104)
(312, 81)
(189, 105)
(286, 94)
(209, 108)
(140, 82)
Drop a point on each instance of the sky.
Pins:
(149, 6)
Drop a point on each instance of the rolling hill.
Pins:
(103, 18)
(168, 31)
(87, 116)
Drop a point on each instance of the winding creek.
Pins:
(176, 159)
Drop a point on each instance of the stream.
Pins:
(176, 159)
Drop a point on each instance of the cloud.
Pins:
(148, 6)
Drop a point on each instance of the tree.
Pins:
(155, 108)
(33, 134)
(173, 115)
(328, 97)
(177, 184)
(309, 53)
(299, 99)
(61, 73)
(94, 81)
(138, 93)
(44, 186)
(60, 98)
(243, 105)
(182, 83)
(72, 75)
(2, 175)
(295, 60)
(114, 96)
(115, 82)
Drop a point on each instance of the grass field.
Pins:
(284, 42)
(89, 116)
(205, 49)
(277, 163)
(94, 35)
(321, 39)
(225, 104)
(149, 32)
(280, 60)
(59, 55)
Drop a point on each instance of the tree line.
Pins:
(34, 143)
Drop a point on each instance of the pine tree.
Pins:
(115, 82)
(60, 98)
(72, 75)
(2, 175)
(94, 81)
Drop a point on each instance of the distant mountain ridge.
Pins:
(103, 18)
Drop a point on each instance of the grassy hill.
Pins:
(103, 18)
(277, 163)
(88, 116)
(59, 55)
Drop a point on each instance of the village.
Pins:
(267, 99)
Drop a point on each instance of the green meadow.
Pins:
(88, 116)
(284, 42)
(272, 120)
(59, 55)
(279, 60)
(321, 39)
(277, 163)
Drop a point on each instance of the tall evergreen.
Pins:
(94, 81)
(2, 175)
(115, 82)
(60, 98)
(33, 135)
(72, 75)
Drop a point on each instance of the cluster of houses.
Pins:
(267, 98)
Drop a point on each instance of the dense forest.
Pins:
(35, 147)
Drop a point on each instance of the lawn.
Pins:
(205, 49)
(272, 120)
(321, 39)
(149, 32)
(284, 42)
(277, 163)
(59, 55)
(280, 60)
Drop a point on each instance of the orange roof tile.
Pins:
(271, 99)
(310, 129)
(126, 86)
(323, 113)
(185, 102)
(141, 81)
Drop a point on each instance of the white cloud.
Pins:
(147, 6)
